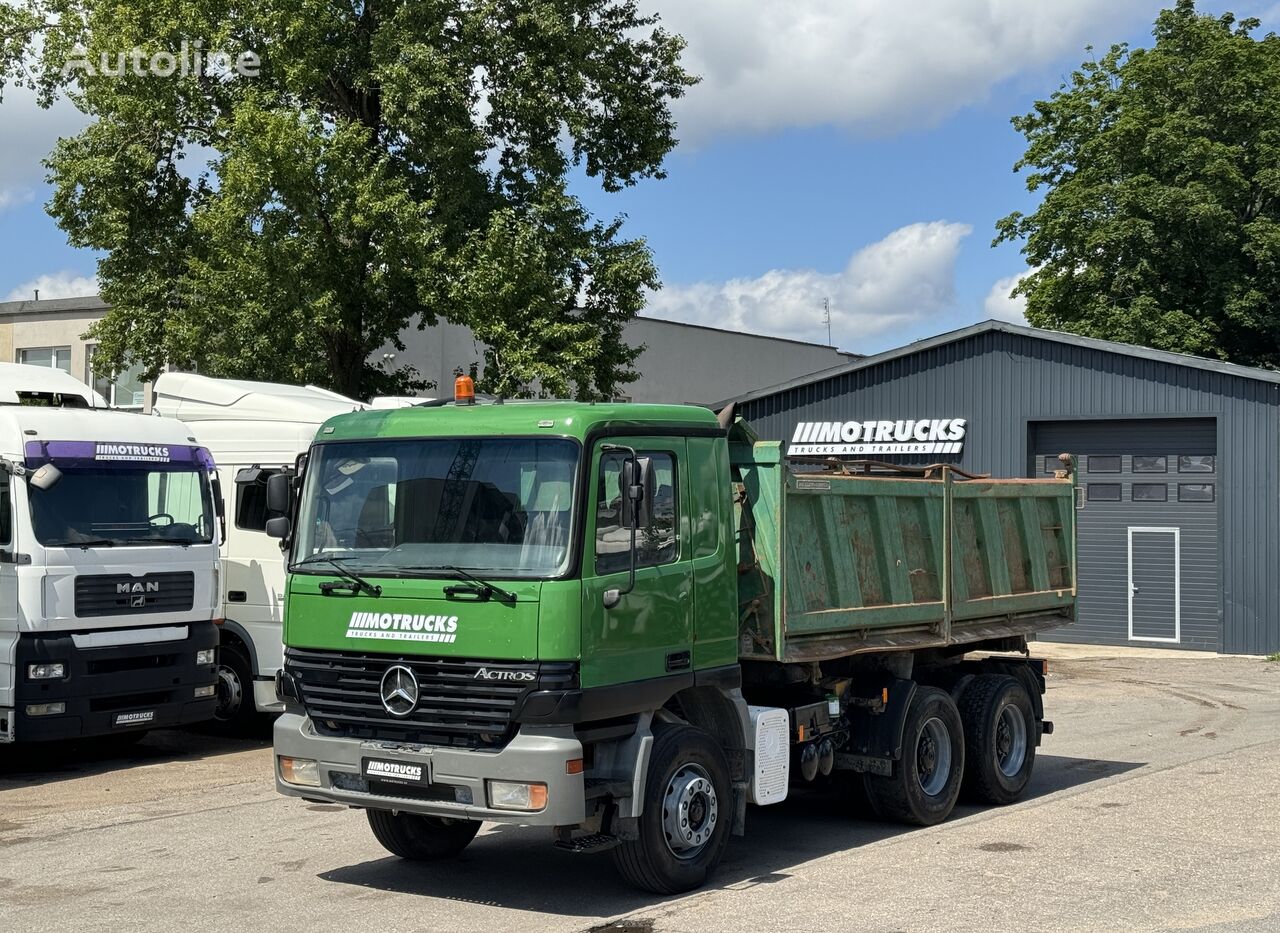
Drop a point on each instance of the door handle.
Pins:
(679, 661)
(237, 596)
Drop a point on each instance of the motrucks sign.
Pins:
(878, 438)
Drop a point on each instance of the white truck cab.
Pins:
(109, 536)
(254, 430)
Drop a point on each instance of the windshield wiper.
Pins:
(356, 582)
(88, 543)
(156, 539)
(482, 587)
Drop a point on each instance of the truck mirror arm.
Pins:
(634, 493)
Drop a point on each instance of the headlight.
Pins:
(203, 692)
(46, 709)
(508, 795)
(304, 772)
(49, 671)
(205, 656)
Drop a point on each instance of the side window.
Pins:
(655, 541)
(6, 513)
(251, 500)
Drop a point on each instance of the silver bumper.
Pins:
(533, 756)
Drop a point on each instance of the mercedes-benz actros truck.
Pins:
(626, 623)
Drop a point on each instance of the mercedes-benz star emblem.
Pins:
(399, 690)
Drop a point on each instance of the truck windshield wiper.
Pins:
(88, 543)
(354, 580)
(156, 539)
(477, 584)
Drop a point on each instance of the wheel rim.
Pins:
(690, 811)
(230, 694)
(1011, 740)
(933, 757)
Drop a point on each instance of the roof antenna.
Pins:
(826, 316)
(37, 291)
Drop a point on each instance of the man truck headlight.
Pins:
(304, 772)
(509, 795)
(205, 656)
(46, 709)
(47, 671)
(202, 692)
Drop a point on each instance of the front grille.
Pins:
(119, 594)
(341, 695)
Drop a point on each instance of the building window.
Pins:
(1103, 464)
(1104, 492)
(1150, 492)
(121, 390)
(1196, 464)
(53, 357)
(1150, 464)
(1195, 492)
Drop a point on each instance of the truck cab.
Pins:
(109, 531)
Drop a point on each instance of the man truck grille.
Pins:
(118, 594)
(463, 703)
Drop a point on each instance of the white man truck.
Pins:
(109, 531)
(254, 431)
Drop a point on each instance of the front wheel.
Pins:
(688, 810)
(926, 782)
(234, 713)
(421, 838)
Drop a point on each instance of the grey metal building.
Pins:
(1179, 527)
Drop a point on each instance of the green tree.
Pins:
(1160, 220)
(392, 162)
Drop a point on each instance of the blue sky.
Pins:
(845, 149)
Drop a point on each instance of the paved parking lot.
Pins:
(1156, 805)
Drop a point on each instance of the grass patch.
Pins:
(1274, 657)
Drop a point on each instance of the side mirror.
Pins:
(278, 527)
(638, 490)
(279, 492)
(46, 477)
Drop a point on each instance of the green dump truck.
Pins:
(628, 622)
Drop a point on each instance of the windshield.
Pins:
(500, 506)
(123, 505)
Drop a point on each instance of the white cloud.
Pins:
(1000, 305)
(29, 133)
(893, 282)
(868, 64)
(58, 285)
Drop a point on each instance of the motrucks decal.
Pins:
(923, 436)
(399, 626)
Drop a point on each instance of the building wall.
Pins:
(1000, 381)
(680, 363)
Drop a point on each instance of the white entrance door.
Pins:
(1155, 583)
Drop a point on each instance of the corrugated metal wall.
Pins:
(1000, 381)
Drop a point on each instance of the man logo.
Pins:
(138, 587)
(399, 691)
(138, 602)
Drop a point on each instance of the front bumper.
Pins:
(117, 688)
(534, 755)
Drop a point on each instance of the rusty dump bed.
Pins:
(833, 565)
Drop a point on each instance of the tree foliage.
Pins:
(393, 162)
(1160, 221)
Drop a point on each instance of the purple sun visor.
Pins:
(122, 454)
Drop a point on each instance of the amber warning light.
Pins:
(464, 391)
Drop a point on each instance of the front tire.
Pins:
(925, 784)
(999, 732)
(688, 809)
(421, 838)
(234, 713)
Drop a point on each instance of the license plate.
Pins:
(398, 772)
(135, 718)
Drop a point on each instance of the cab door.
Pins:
(649, 633)
(8, 593)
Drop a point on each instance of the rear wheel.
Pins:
(926, 782)
(688, 810)
(999, 731)
(421, 838)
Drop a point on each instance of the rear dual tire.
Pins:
(1000, 736)
(925, 783)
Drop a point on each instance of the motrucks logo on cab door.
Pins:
(860, 438)
(403, 626)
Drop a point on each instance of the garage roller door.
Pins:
(1148, 529)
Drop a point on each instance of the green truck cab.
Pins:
(626, 622)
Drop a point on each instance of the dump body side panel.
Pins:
(833, 564)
